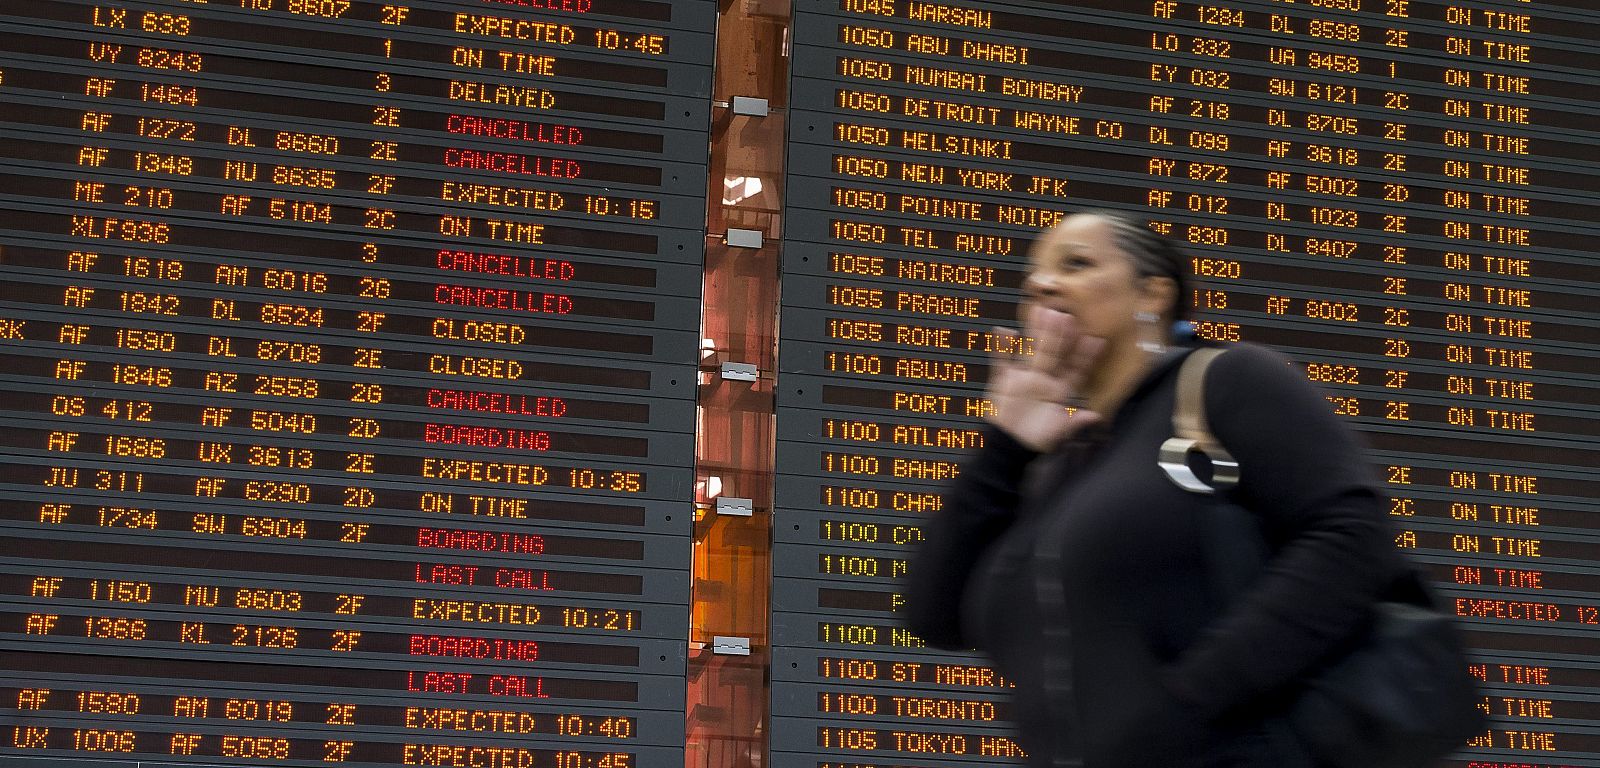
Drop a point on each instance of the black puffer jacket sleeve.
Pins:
(978, 507)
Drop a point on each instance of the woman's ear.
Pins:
(1159, 295)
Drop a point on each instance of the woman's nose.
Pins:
(1039, 284)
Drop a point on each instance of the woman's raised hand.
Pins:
(1031, 395)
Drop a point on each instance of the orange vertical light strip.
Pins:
(728, 692)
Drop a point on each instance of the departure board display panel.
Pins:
(1400, 195)
(350, 355)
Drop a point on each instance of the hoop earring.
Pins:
(1150, 321)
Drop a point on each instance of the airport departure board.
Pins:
(1402, 195)
(350, 359)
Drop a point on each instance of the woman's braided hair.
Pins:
(1153, 255)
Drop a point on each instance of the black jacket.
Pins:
(1165, 670)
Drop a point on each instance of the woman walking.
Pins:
(1125, 651)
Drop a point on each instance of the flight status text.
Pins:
(1398, 194)
(349, 351)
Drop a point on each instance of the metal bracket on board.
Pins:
(732, 506)
(730, 646)
(751, 106)
(740, 371)
(743, 238)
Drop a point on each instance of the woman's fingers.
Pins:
(1061, 366)
(1004, 356)
(1062, 349)
(1055, 335)
(1029, 395)
(1082, 358)
(1045, 325)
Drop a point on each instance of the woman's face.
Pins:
(1078, 268)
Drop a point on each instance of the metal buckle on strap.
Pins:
(1174, 460)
